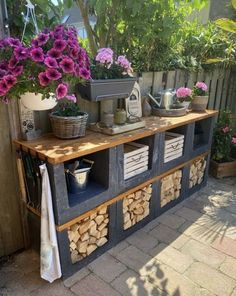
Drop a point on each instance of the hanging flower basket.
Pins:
(102, 89)
(69, 127)
(34, 102)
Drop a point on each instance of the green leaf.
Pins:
(233, 2)
(214, 60)
(226, 24)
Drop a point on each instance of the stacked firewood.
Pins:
(197, 170)
(88, 234)
(136, 206)
(170, 187)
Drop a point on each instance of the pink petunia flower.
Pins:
(71, 98)
(37, 54)
(233, 140)
(56, 54)
(225, 129)
(53, 74)
(61, 91)
(42, 39)
(10, 80)
(59, 45)
(51, 62)
(21, 53)
(43, 79)
(3, 87)
(17, 70)
(67, 65)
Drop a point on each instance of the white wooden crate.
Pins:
(135, 159)
(174, 144)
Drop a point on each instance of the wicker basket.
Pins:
(69, 127)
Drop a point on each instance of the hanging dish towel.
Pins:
(50, 267)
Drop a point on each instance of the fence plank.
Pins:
(219, 89)
(157, 82)
(170, 83)
(180, 78)
(225, 88)
(192, 78)
(146, 82)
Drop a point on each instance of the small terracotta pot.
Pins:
(199, 103)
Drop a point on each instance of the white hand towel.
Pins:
(50, 267)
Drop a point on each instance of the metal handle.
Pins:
(138, 159)
(174, 147)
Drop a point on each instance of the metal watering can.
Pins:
(165, 98)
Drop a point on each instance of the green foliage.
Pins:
(66, 108)
(222, 138)
(47, 13)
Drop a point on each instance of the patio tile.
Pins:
(129, 283)
(203, 253)
(188, 214)
(92, 285)
(118, 248)
(142, 240)
(76, 277)
(225, 245)
(211, 279)
(172, 257)
(171, 220)
(164, 234)
(133, 258)
(229, 267)
(167, 279)
(107, 267)
(180, 241)
(55, 289)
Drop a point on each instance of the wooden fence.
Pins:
(221, 83)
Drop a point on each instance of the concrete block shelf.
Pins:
(124, 191)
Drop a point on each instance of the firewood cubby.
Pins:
(122, 194)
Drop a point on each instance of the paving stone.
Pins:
(151, 225)
(180, 241)
(164, 234)
(32, 281)
(133, 258)
(76, 277)
(27, 261)
(91, 286)
(142, 240)
(55, 289)
(167, 279)
(118, 248)
(210, 279)
(229, 267)
(107, 267)
(188, 214)
(171, 220)
(199, 232)
(203, 253)
(129, 283)
(225, 245)
(234, 293)
(172, 257)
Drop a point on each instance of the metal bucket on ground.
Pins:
(77, 175)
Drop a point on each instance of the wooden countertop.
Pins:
(55, 151)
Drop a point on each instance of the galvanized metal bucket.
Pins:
(77, 176)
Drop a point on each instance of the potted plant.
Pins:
(110, 78)
(184, 96)
(223, 161)
(200, 97)
(43, 71)
(67, 120)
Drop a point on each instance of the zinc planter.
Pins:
(102, 89)
(199, 103)
(34, 102)
(224, 169)
(69, 127)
